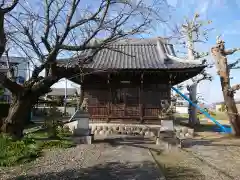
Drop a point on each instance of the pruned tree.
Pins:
(65, 28)
(223, 70)
(191, 33)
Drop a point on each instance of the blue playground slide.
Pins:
(222, 128)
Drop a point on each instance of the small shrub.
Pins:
(13, 152)
(56, 144)
(52, 122)
(64, 132)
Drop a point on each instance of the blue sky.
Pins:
(225, 21)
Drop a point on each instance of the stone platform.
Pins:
(131, 129)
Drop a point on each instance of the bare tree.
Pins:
(191, 33)
(223, 69)
(65, 27)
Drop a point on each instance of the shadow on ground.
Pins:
(204, 127)
(182, 173)
(134, 141)
(109, 171)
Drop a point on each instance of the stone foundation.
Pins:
(181, 132)
(128, 129)
(184, 132)
(83, 139)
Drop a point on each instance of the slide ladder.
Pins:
(223, 129)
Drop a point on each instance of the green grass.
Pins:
(218, 116)
(30, 147)
(14, 152)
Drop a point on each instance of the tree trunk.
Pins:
(220, 55)
(231, 107)
(193, 120)
(16, 119)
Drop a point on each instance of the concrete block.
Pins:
(81, 132)
(167, 125)
(83, 139)
(167, 134)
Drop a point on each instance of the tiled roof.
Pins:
(136, 54)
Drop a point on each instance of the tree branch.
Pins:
(10, 85)
(33, 44)
(68, 20)
(204, 76)
(235, 88)
(11, 7)
(50, 22)
(233, 65)
(230, 51)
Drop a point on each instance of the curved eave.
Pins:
(178, 76)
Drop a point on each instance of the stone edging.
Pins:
(160, 168)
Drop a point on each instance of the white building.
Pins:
(21, 71)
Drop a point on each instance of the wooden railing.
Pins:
(124, 112)
(151, 112)
(98, 111)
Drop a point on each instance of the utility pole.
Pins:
(65, 98)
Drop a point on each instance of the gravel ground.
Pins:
(213, 157)
(91, 162)
(219, 153)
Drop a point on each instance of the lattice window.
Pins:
(118, 96)
(132, 96)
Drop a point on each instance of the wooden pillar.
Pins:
(81, 98)
(140, 99)
(109, 98)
